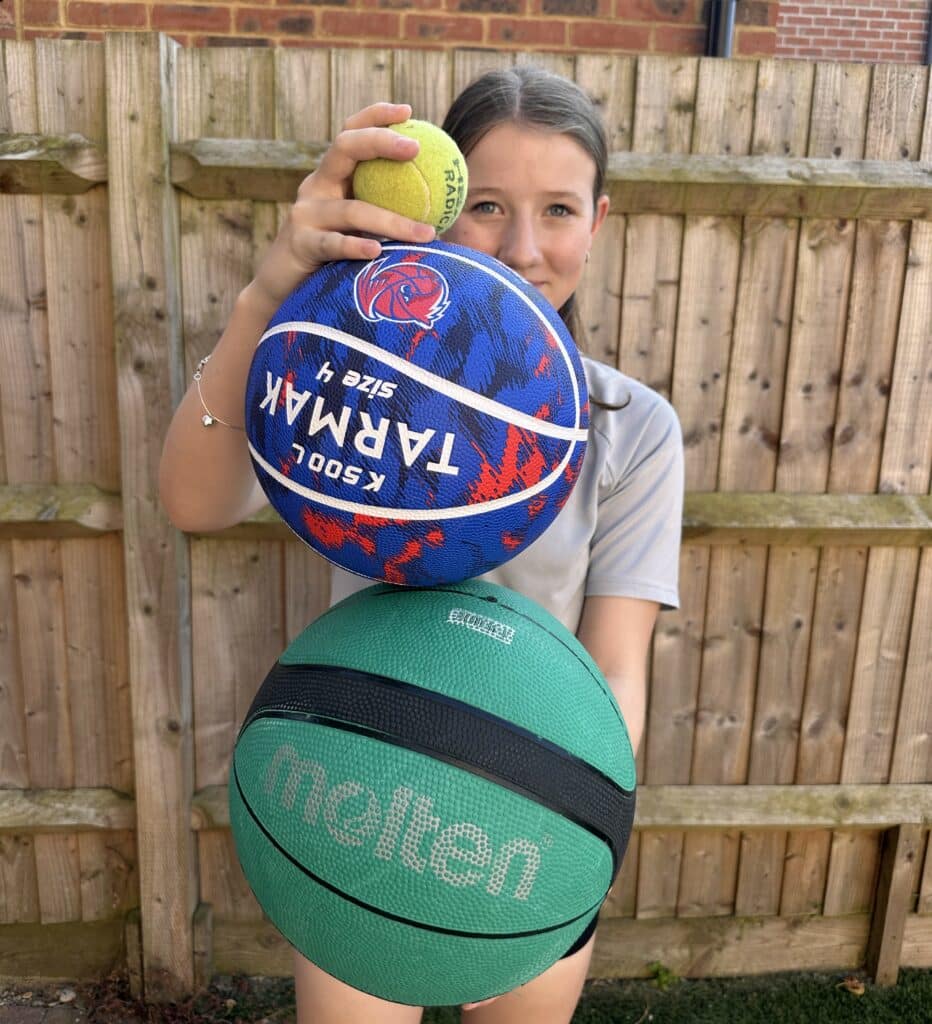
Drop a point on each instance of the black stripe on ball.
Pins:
(455, 732)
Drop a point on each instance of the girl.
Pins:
(536, 154)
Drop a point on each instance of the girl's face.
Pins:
(530, 205)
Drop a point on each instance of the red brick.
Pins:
(487, 6)
(752, 42)
(573, 8)
(658, 10)
(191, 17)
(679, 39)
(602, 35)
(527, 32)
(435, 28)
(274, 21)
(757, 12)
(7, 32)
(81, 12)
(402, 5)
(231, 41)
(376, 26)
(41, 12)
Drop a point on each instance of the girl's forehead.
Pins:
(511, 150)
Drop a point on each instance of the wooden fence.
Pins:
(768, 267)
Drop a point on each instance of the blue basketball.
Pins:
(417, 419)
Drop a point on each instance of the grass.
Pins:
(766, 999)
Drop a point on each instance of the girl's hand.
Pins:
(326, 223)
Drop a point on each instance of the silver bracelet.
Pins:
(209, 419)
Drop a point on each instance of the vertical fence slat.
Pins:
(146, 301)
(27, 452)
(236, 586)
(711, 251)
(839, 108)
(665, 103)
(300, 74)
(753, 410)
(610, 82)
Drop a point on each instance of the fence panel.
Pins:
(794, 344)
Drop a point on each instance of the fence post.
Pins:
(892, 902)
(147, 333)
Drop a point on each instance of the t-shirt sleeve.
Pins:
(636, 544)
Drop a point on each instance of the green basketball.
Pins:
(432, 792)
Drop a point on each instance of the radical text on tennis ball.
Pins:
(431, 187)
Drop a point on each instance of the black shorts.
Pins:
(587, 934)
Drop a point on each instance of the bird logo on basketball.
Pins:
(401, 291)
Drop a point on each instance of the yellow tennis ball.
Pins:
(429, 188)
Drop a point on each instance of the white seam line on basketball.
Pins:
(413, 514)
(445, 387)
(532, 306)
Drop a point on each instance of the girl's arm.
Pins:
(616, 631)
(206, 480)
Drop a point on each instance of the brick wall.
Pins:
(859, 30)
(618, 26)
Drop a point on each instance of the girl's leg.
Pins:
(322, 999)
(550, 998)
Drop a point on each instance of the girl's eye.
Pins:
(484, 206)
(559, 210)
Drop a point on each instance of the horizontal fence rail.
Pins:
(272, 169)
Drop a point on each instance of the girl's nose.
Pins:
(519, 248)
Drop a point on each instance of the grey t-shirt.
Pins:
(619, 532)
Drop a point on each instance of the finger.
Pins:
(353, 216)
(378, 114)
(349, 148)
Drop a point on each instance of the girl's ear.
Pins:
(601, 212)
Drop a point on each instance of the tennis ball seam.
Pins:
(428, 198)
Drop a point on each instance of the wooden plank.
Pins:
(14, 758)
(689, 947)
(37, 571)
(727, 946)
(357, 78)
(892, 903)
(306, 574)
(733, 517)
(610, 83)
(53, 510)
(711, 253)
(663, 115)
(70, 79)
(424, 79)
(236, 586)
(849, 807)
(19, 884)
(61, 952)
(47, 163)
(837, 130)
(58, 810)
(26, 448)
(470, 64)
(773, 659)
(147, 325)
(709, 184)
